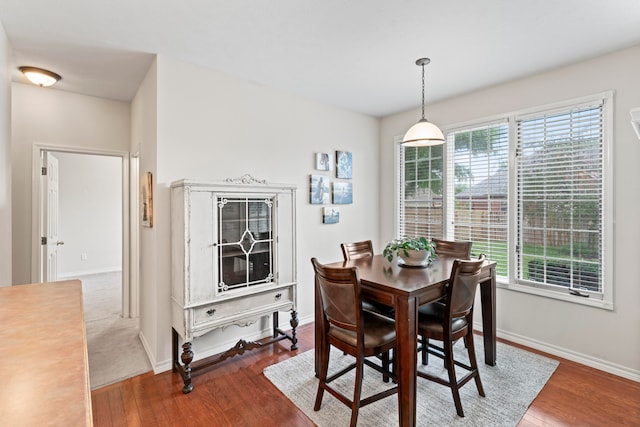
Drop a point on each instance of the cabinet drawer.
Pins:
(235, 307)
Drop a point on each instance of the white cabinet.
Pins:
(233, 254)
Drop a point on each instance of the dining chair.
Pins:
(355, 331)
(358, 250)
(443, 248)
(459, 250)
(451, 323)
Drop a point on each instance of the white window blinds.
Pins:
(478, 187)
(559, 160)
(420, 201)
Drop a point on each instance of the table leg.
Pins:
(406, 365)
(488, 300)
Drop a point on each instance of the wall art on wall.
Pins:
(323, 162)
(342, 193)
(343, 164)
(330, 215)
(146, 200)
(319, 189)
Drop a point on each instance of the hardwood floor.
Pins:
(236, 393)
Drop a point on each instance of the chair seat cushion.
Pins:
(430, 321)
(378, 308)
(378, 331)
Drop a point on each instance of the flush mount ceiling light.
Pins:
(39, 76)
(423, 133)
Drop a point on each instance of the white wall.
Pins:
(211, 127)
(55, 118)
(5, 159)
(144, 140)
(597, 337)
(90, 212)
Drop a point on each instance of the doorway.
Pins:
(81, 223)
(85, 200)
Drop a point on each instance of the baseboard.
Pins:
(152, 359)
(166, 365)
(593, 362)
(75, 274)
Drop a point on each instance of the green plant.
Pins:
(405, 244)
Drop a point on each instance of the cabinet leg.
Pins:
(276, 322)
(294, 325)
(187, 357)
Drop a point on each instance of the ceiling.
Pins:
(358, 55)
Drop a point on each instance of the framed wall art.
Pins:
(319, 189)
(342, 193)
(146, 200)
(343, 165)
(330, 215)
(323, 162)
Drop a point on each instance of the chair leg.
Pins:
(385, 366)
(324, 368)
(425, 353)
(468, 339)
(453, 382)
(355, 404)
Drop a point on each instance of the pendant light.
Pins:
(423, 133)
(40, 76)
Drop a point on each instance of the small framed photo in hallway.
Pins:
(146, 200)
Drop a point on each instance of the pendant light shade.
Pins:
(40, 76)
(423, 133)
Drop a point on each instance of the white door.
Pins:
(51, 220)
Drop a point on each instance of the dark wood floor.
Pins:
(236, 393)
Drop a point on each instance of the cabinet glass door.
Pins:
(245, 241)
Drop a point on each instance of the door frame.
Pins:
(130, 284)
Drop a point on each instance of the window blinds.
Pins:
(560, 197)
(478, 177)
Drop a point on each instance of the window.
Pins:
(530, 190)
(420, 207)
(479, 169)
(560, 197)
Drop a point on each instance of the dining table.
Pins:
(405, 289)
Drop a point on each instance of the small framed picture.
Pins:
(331, 215)
(146, 200)
(323, 162)
(342, 193)
(343, 165)
(319, 190)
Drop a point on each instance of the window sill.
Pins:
(557, 295)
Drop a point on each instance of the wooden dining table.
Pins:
(405, 289)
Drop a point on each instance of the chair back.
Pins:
(460, 250)
(357, 250)
(463, 283)
(340, 295)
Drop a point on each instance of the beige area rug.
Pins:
(114, 348)
(510, 387)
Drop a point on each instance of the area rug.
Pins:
(510, 387)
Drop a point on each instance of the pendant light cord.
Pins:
(423, 91)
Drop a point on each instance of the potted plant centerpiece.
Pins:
(411, 251)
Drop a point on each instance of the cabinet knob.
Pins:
(278, 296)
(211, 311)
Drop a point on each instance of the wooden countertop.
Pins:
(44, 372)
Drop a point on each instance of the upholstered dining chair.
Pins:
(355, 331)
(451, 249)
(358, 250)
(453, 322)
(459, 250)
